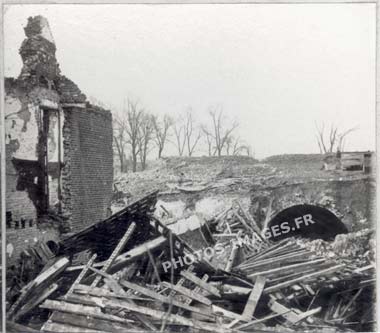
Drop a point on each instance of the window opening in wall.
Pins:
(49, 158)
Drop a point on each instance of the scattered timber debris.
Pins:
(131, 272)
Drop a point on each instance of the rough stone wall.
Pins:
(353, 201)
(88, 172)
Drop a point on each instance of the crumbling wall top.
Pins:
(38, 25)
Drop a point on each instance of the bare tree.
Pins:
(333, 141)
(179, 132)
(220, 131)
(187, 133)
(248, 150)
(234, 146)
(144, 137)
(161, 131)
(192, 134)
(133, 116)
(209, 140)
(120, 142)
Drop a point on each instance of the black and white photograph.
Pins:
(198, 167)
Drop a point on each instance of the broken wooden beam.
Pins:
(79, 309)
(231, 258)
(285, 312)
(34, 301)
(82, 274)
(136, 252)
(89, 322)
(204, 285)
(302, 278)
(34, 286)
(171, 318)
(188, 293)
(116, 252)
(253, 298)
(286, 268)
(161, 298)
(67, 328)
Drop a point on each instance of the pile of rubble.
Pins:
(176, 176)
(131, 272)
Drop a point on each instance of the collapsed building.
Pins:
(59, 165)
(132, 272)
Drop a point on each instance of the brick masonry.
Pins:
(88, 172)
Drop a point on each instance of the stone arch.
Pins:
(307, 221)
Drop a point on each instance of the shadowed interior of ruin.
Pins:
(322, 224)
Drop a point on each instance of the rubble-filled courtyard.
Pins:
(159, 216)
(192, 255)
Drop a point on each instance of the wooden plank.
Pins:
(82, 274)
(15, 327)
(163, 299)
(79, 309)
(171, 318)
(83, 300)
(182, 280)
(102, 292)
(352, 300)
(108, 280)
(31, 304)
(241, 220)
(250, 218)
(277, 247)
(257, 321)
(276, 259)
(220, 215)
(53, 270)
(272, 254)
(116, 252)
(204, 285)
(285, 268)
(197, 289)
(116, 287)
(292, 275)
(233, 323)
(136, 252)
(88, 322)
(225, 235)
(231, 258)
(32, 286)
(188, 293)
(306, 314)
(226, 313)
(288, 314)
(231, 289)
(253, 298)
(302, 278)
(65, 328)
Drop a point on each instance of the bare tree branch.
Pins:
(161, 131)
(220, 132)
(335, 138)
(144, 137)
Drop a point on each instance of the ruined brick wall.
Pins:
(88, 172)
(22, 112)
(46, 111)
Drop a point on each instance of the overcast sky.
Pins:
(278, 69)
